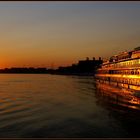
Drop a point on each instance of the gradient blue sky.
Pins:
(61, 33)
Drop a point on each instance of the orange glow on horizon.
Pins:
(51, 64)
(39, 36)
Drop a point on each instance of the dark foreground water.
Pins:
(44, 106)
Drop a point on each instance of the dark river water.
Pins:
(54, 106)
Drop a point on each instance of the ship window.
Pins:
(130, 81)
(138, 82)
(136, 72)
(129, 71)
(125, 72)
(132, 72)
(126, 81)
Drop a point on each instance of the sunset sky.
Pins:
(50, 34)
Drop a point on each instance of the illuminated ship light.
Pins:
(122, 70)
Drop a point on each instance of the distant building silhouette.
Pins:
(83, 67)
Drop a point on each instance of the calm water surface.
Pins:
(45, 106)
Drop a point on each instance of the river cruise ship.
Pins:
(122, 70)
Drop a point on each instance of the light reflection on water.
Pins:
(118, 96)
(64, 106)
